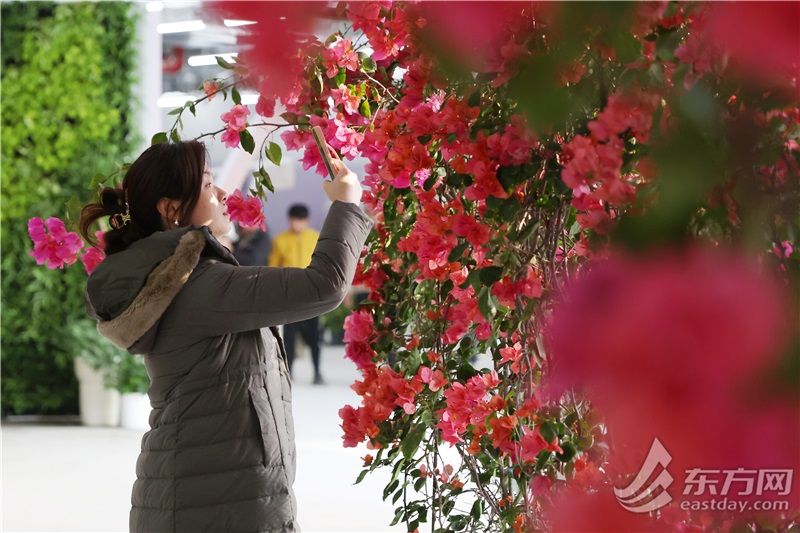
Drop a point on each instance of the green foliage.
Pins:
(66, 114)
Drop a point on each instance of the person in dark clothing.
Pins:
(220, 454)
(253, 247)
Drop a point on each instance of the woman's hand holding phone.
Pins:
(345, 186)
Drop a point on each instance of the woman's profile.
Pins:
(220, 454)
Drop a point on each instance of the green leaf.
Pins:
(424, 139)
(222, 63)
(192, 109)
(411, 442)
(248, 143)
(418, 484)
(236, 97)
(364, 109)
(174, 136)
(627, 47)
(569, 452)
(158, 138)
(490, 275)
(474, 99)
(666, 44)
(459, 180)
(97, 179)
(486, 303)
(340, 78)
(458, 251)
(73, 206)
(176, 111)
(274, 153)
(368, 65)
(477, 510)
(263, 179)
(548, 431)
(390, 488)
(360, 477)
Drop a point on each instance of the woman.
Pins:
(220, 455)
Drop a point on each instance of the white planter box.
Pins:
(135, 411)
(99, 406)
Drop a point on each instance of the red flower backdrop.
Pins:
(602, 200)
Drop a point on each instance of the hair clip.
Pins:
(119, 220)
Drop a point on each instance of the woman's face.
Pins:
(211, 210)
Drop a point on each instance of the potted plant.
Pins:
(132, 382)
(95, 368)
(333, 321)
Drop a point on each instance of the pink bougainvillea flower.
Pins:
(761, 38)
(236, 118)
(265, 106)
(210, 88)
(348, 99)
(434, 378)
(93, 256)
(683, 347)
(230, 138)
(282, 27)
(358, 326)
(247, 212)
(54, 247)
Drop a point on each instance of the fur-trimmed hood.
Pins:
(129, 291)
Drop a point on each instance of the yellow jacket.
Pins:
(290, 249)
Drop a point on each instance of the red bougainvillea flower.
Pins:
(93, 256)
(210, 88)
(54, 247)
(686, 347)
(247, 212)
(465, 31)
(236, 118)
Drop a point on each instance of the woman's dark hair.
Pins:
(168, 170)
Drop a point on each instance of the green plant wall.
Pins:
(67, 73)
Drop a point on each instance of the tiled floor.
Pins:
(73, 478)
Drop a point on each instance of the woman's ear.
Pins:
(168, 208)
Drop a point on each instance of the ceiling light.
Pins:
(179, 27)
(233, 23)
(173, 99)
(249, 98)
(154, 6)
(202, 61)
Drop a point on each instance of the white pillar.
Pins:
(148, 86)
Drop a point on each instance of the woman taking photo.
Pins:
(220, 454)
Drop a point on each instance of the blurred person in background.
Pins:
(294, 248)
(220, 454)
(253, 247)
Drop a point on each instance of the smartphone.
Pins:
(319, 138)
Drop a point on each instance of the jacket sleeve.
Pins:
(221, 298)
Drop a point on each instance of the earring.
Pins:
(177, 222)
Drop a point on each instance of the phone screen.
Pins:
(319, 138)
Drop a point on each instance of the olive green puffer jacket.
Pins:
(220, 455)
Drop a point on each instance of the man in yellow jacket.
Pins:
(293, 248)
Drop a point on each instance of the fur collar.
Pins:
(162, 285)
